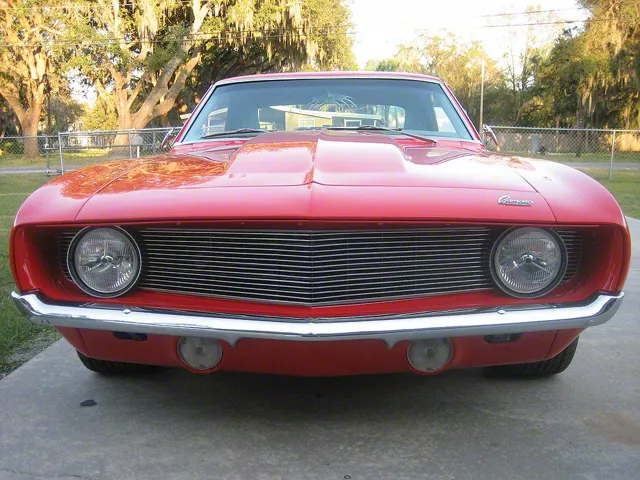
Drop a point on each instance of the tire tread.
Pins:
(106, 367)
(545, 368)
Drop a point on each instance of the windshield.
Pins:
(312, 104)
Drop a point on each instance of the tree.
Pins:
(63, 113)
(558, 80)
(328, 19)
(142, 52)
(101, 116)
(525, 54)
(385, 65)
(30, 56)
(591, 78)
(610, 94)
(7, 119)
(457, 63)
(408, 58)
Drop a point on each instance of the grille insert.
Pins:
(573, 240)
(315, 267)
(318, 267)
(64, 241)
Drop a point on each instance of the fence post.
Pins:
(47, 153)
(586, 142)
(613, 149)
(130, 148)
(60, 152)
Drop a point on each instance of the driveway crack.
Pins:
(54, 476)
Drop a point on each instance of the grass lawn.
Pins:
(625, 186)
(19, 339)
(18, 160)
(71, 158)
(604, 157)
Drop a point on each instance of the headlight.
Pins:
(104, 262)
(528, 262)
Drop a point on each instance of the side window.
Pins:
(447, 119)
(306, 123)
(216, 121)
(271, 118)
(396, 117)
(444, 122)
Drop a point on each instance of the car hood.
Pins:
(310, 175)
(327, 158)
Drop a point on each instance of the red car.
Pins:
(323, 224)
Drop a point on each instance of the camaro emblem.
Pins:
(507, 200)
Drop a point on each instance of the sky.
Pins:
(381, 25)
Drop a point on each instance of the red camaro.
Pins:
(323, 224)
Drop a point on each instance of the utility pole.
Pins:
(48, 106)
(49, 113)
(481, 97)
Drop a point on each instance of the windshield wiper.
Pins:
(373, 128)
(233, 132)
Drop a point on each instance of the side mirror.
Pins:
(168, 140)
(489, 136)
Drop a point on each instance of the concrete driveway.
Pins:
(582, 424)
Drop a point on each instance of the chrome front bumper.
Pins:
(389, 328)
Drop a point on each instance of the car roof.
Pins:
(334, 74)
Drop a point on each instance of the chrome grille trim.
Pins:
(316, 267)
(573, 240)
(308, 267)
(64, 241)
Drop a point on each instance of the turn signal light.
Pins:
(430, 355)
(200, 354)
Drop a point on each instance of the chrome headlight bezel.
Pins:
(497, 278)
(78, 280)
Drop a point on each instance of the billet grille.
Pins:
(64, 241)
(317, 267)
(573, 240)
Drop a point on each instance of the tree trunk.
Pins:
(27, 118)
(164, 120)
(579, 119)
(30, 129)
(125, 121)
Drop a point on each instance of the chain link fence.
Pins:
(584, 148)
(26, 153)
(28, 162)
(79, 149)
(55, 154)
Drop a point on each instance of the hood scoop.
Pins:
(357, 159)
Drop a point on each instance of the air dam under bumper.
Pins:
(389, 328)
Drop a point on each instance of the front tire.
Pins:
(106, 367)
(545, 368)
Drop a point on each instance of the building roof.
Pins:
(321, 114)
